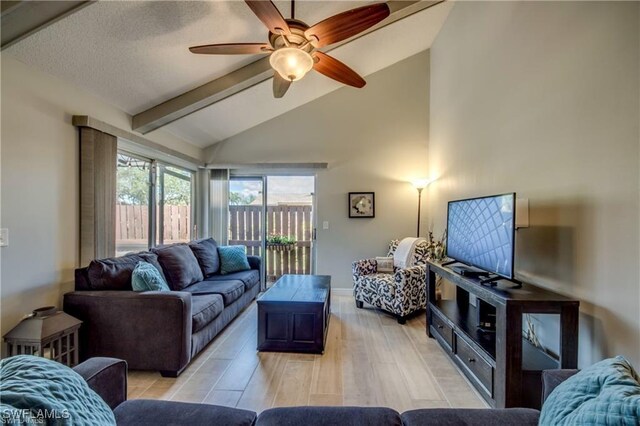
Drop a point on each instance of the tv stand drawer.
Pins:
(479, 369)
(441, 327)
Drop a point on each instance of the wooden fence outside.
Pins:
(291, 220)
(244, 228)
(132, 224)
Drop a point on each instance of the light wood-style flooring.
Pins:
(369, 360)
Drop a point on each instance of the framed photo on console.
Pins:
(362, 204)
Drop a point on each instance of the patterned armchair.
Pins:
(400, 293)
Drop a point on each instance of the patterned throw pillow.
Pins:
(233, 259)
(385, 264)
(146, 277)
(606, 393)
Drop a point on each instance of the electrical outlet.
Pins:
(325, 225)
(4, 237)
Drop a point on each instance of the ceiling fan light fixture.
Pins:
(291, 63)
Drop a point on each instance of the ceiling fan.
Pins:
(293, 44)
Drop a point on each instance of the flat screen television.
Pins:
(481, 233)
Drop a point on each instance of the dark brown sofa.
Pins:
(159, 330)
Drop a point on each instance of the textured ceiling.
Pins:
(133, 54)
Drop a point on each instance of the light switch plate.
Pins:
(4, 237)
(325, 224)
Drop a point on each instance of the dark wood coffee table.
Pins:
(293, 315)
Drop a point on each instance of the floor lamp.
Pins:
(419, 184)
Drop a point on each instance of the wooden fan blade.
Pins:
(346, 24)
(269, 14)
(280, 85)
(333, 68)
(231, 49)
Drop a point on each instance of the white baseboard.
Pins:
(342, 291)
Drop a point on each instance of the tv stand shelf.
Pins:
(503, 366)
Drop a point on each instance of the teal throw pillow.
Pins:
(38, 391)
(146, 277)
(606, 393)
(233, 259)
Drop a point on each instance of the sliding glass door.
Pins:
(246, 213)
(289, 226)
(274, 217)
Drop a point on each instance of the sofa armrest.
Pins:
(107, 377)
(254, 262)
(364, 267)
(552, 378)
(131, 326)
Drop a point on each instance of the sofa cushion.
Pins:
(249, 278)
(233, 259)
(204, 309)
(230, 290)
(114, 273)
(462, 417)
(206, 251)
(170, 413)
(329, 416)
(146, 277)
(607, 392)
(180, 265)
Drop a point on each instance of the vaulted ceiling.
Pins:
(133, 54)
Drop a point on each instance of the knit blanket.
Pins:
(403, 256)
(37, 391)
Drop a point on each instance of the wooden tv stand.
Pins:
(503, 366)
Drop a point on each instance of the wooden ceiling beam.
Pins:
(20, 19)
(247, 76)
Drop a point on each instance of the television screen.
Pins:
(481, 231)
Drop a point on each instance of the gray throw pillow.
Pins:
(180, 266)
(206, 251)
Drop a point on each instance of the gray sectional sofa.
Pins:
(108, 377)
(159, 330)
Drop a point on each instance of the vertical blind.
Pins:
(220, 205)
(98, 156)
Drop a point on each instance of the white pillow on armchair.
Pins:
(384, 265)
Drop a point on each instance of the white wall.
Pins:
(375, 139)
(542, 98)
(39, 173)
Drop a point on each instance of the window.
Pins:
(133, 191)
(174, 205)
(147, 217)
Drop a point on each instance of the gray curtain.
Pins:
(98, 156)
(219, 223)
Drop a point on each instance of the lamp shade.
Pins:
(291, 63)
(420, 183)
